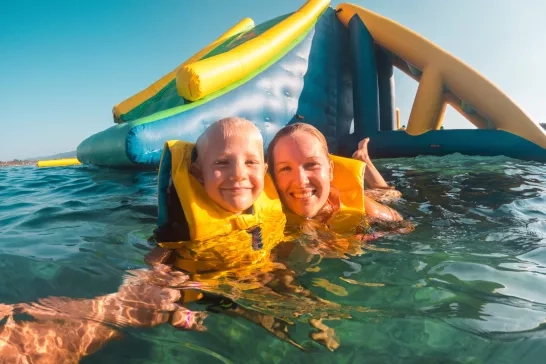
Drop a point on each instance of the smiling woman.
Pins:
(315, 185)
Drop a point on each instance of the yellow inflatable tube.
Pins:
(441, 69)
(199, 79)
(137, 99)
(59, 162)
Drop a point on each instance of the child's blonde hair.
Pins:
(228, 127)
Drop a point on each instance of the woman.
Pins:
(303, 172)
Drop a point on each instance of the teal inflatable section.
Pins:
(168, 97)
(312, 82)
(333, 77)
(374, 108)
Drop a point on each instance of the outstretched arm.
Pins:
(52, 342)
(67, 329)
(146, 298)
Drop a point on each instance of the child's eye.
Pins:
(253, 162)
(221, 162)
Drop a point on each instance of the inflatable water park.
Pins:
(333, 68)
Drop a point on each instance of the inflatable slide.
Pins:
(329, 67)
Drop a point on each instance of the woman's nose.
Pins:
(302, 177)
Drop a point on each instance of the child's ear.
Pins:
(265, 168)
(196, 171)
(331, 170)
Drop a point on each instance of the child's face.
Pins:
(233, 170)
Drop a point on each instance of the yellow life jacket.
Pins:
(348, 180)
(221, 241)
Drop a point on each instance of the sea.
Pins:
(468, 285)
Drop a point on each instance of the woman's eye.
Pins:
(312, 165)
(221, 162)
(282, 169)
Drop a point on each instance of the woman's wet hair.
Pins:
(292, 129)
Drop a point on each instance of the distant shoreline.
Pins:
(17, 163)
(33, 161)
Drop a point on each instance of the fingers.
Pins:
(185, 319)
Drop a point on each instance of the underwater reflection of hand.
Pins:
(325, 335)
(271, 324)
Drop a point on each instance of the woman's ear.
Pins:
(196, 171)
(331, 170)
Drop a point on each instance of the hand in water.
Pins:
(159, 255)
(145, 299)
(185, 319)
(66, 329)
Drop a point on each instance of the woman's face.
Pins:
(303, 173)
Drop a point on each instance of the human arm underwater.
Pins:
(64, 329)
(280, 281)
(146, 298)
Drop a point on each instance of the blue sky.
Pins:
(65, 64)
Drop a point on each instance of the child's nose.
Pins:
(239, 172)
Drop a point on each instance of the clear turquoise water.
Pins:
(467, 286)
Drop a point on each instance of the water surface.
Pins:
(467, 286)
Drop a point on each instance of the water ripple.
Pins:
(466, 286)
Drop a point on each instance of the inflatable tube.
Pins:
(121, 110)
(58, 162)
(311, 78)
(438, 71)
(335, 79)
(199, 79)
(365, 90)
(479, 142)
(385, 84)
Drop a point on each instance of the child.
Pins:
(223, 219)
(219, 212)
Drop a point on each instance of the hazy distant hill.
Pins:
(71, 154)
